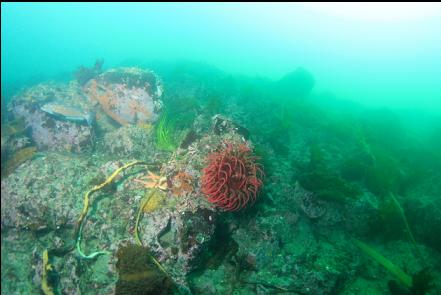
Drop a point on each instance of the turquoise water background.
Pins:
(381, 55)
(328, 116)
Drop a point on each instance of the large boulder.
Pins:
(58, 115)
(127, 95)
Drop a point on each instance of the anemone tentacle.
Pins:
(232, 178)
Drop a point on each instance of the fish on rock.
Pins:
(69, 113)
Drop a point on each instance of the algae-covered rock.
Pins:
(130, 141)
(54, 130)
(127, 95)
(45, 193)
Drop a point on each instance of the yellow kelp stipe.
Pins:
(45, 287)
(86, 207)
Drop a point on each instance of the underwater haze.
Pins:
(377, 54)
(221, 148)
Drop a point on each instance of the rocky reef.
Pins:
(51, 132)
(145, 199)
(61, 116)
(127, 95)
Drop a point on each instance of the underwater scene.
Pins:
(221, 148)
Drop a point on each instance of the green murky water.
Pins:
(285, 148)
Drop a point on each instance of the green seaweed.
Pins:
(418, 284)
(385, 175)
(406, 225)
(387, 221)
(392, 223)
(165, 133)
(404, 278)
